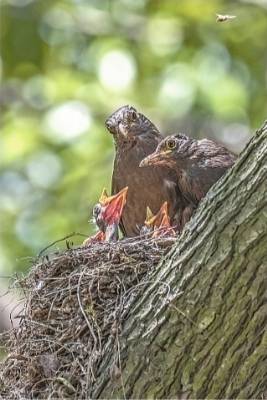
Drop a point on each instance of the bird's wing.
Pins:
(215, 155)
(115, 189)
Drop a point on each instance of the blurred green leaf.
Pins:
(65, 65)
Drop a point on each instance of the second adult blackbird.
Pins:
(135, 137)
(198, 164)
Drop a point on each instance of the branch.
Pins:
(205, 338)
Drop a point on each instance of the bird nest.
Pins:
(75, 304)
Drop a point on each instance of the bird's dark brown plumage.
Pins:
(198, 164)
(135, 136)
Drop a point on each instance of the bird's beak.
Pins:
(150, 219)
(116, 129)
(155, 158)
(164, 225)
(122, 131)
(113, 205)
(156, 220)
(165, 219)
(110, 126)
(149, 216)
(160, 222)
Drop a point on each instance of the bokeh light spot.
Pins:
(234, 136)
(56, 26)
(67, 121)
(14, 191)
(39, 92)
(44, 169)
(177, 91)
(164, 35)
(117, 70)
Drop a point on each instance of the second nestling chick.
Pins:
(106, 215)
(198, 165)
(158, 225)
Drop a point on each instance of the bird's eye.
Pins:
(170, 144)
(96, 210)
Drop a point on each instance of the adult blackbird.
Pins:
(198, 164)
(106, 215)
(135, 136)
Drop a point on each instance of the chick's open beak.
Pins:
(113, 206)
(163, 223)
(165, 219)
(160, 223)
(156, 220)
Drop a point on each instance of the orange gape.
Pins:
(159, 224)
(107, 215)
(113, 205)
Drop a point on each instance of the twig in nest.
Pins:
(60, 240)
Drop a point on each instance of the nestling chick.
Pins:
(106, 215)
(158, 225)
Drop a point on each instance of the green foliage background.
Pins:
(66, 65)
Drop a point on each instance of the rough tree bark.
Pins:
(198, 330)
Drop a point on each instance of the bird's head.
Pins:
(170, 151)
(159, 224)
(126, 124)
(109, 208)
(107, 214)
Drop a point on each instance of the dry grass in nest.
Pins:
(76, 303)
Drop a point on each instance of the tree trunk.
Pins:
(197, 331)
